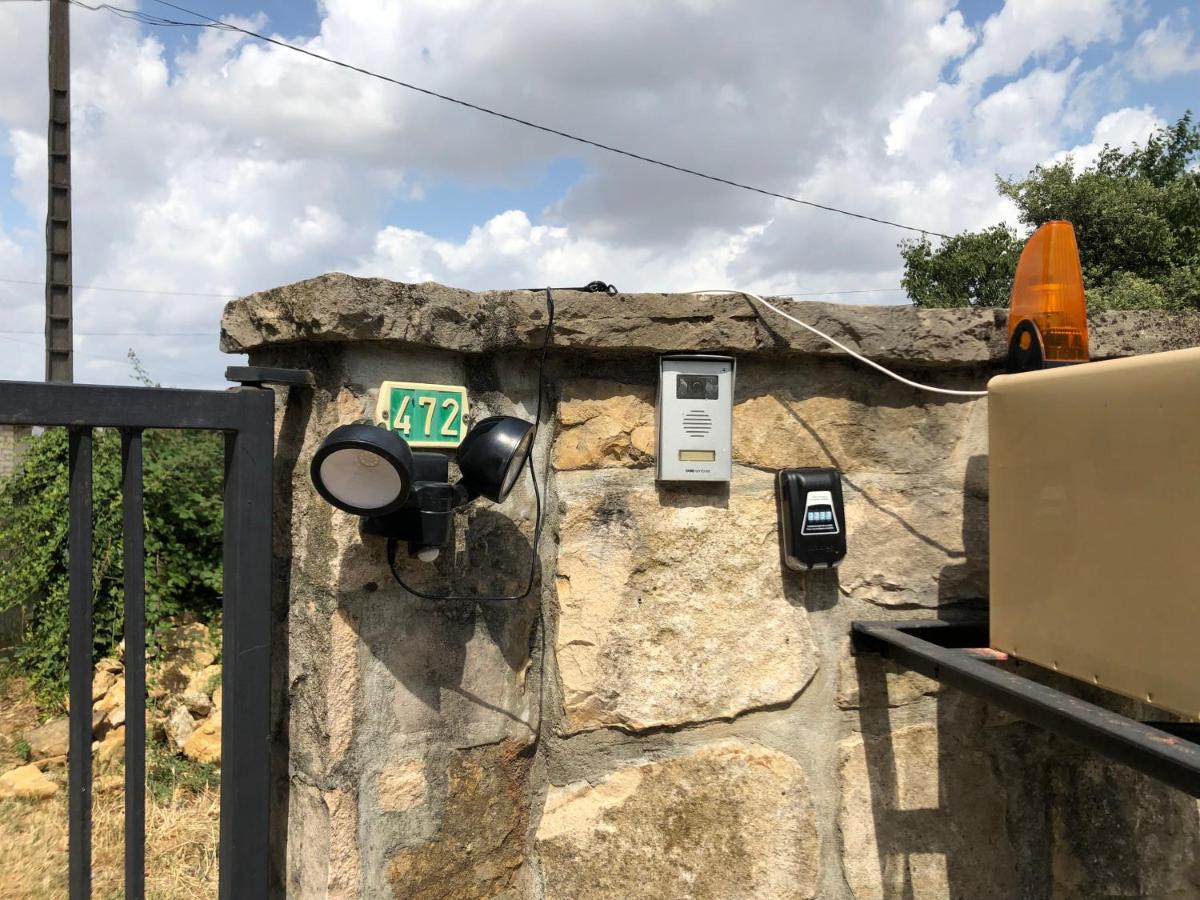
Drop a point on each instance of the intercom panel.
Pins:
(695, 417)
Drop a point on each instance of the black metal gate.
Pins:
(245, 415)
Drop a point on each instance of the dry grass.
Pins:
(182, 818)
(18, 714)
(181, 847)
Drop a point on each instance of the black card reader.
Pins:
(812, 524)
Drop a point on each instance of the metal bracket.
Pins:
(957, 654)
(257, 376)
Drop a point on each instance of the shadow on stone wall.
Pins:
(296, 411)
(441, 749)
(937, 812)
(425, 645)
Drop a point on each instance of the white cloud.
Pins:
(951, 38)
(903, 126)
(1166, 50)
(508, 251)
(1019, 125)
(1121, 129)
(1033, 29)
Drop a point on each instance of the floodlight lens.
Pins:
(360, 478)
(363, 469)
(516, 464)
(491, 456)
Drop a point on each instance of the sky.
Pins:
(208, 165)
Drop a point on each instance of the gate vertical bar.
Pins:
(133, 533)
(79, 548)
(246, 651)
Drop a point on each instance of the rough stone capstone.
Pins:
(731, 821)
(338, 308)
(672, 605)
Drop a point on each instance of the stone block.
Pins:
(832, 413)
(1118, 833)
(673, 607)
(204, 744)
(913, 541)
(603, 424)
(730, 820)
(28, 783)
(345, 863)
(869, 680)
(403, 786)
(51, 739)
(179, 726)
(479, 851)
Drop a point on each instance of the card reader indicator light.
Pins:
(697, 455)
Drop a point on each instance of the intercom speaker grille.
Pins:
(697, 423)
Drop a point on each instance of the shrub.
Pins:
(183, 473)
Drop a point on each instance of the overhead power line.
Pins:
(126, 290)
(122, 333)
(109, 359)
(209, 22)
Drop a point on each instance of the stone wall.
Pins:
(13, 439)
(672, 714)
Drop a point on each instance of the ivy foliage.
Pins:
(1136, 215)
(184, 518)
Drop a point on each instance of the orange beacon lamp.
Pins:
(1047, 317)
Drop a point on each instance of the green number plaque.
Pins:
(425, 415)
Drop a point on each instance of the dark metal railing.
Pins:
(245, 415)
(957, 654)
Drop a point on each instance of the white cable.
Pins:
(841, 346)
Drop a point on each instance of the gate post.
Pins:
(246, 650)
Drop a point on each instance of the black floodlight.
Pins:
(371, 472)
(363, 469)
(491, 456)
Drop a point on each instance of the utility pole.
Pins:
(59, 331)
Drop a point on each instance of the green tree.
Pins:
(183, 474)
(974, 268)
(1137, 220)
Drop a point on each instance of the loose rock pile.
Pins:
(183, 682)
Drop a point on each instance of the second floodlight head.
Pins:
(492, 454)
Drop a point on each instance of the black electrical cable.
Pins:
(595, 287)
(210, 22)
